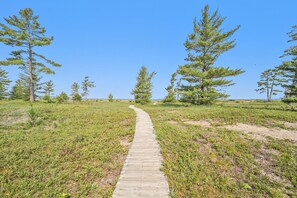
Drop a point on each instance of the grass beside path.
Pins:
(216, 162)
(75, 149)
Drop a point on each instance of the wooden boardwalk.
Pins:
(141, 175)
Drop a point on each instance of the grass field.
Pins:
(78, 149)
(213, 161)
(75, 149)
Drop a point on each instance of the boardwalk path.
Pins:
(141, 175)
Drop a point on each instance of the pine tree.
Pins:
(86, 84)
(25, 32)
(25, 80)
(74, 89)
(143, 89)
(4, 82)
(270, 80)
(289, 67)
(63, 97)
(110, 97)
(201, 79)
(171, 96)
(48, 88)
(17, 91)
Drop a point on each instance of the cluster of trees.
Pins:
(284, 75)
(201, 81)
(24, 33)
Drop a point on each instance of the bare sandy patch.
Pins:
(125, 141)
(15, 117)
(173, 122)
(291, 125)
(260, 130)
(203, 123)
(256, 132)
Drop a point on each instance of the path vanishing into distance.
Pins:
(141, 175)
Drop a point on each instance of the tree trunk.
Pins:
(267, 90)
(31, 83)
(271, 90)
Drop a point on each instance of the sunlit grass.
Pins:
(216, 162)
(75, 149)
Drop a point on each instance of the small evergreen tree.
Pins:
(86, 84)
(201, 80)
(289, 68)
(62, 97)
(171, 96)
(269, 81)
(17, 91)
(25, 32)
(74, 89)
(76, 97)
(110, 97)
(4, 82)
(48, 88)
(143, 89)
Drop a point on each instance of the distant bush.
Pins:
(77, 97)
(62, 97)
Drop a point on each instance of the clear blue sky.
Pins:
(110, 40)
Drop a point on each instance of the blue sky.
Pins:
(110, 40)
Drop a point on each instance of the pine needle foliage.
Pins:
(143, 89)
(289, 67)
(86, 84)
(4, 82)
(201, 79)
(110, 97)
(74, 89)
(269, 81)
(17, 91)
(171, 96)
(25, 33)
(48, 88)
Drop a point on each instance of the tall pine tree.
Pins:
(143, 89)
(201, 80)
(4, 82)
(289, 67)
(25, 32)
(86, 84)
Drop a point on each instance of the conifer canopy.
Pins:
(201, 79)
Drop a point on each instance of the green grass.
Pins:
(73, 149)
(216, 162)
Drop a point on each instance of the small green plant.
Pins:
(33, 116)
(66, 195)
